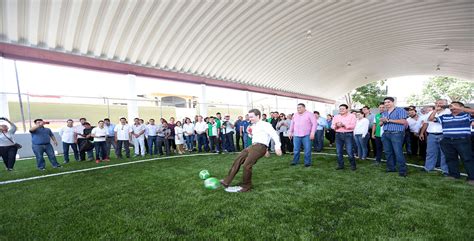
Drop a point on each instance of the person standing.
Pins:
(110, 141)
(201, 129)
(422, 135)
(41, 142)
(371, 141)
(414, 126)
(138, 137)
(80, 139)
(330, 132)
(244, 132)
(67, 138)
(171, 125)
(377, 132)
(302, 129)
(122, 133)
(238, 134)
(456, 140)
(394, 121)
(262, 132)
(151, 131)
(319, 137)
(212, 134)
(99, 134)
(282, 129)
(434, 153)
(361, 135)
(8, 146)
(344, 124)
(178, 137)
(188, 129)
(228, 129)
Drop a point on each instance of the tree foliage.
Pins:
(441, 87)
(370, 94)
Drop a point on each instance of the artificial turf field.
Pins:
(165, 199)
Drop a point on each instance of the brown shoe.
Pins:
(223, 183)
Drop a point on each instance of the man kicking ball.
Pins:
(261, 132)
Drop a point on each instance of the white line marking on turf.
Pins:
(99, 167)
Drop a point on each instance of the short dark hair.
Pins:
(344, 105)
(256, 112)
(389, 98)
(100, 121)
(136, 118)
(316, 112)
(368, 108)
(36, 120)
(381, 103)
(123, 118)
(302, 105)
(152, 119)
(87, 123)
(218, 113)
(457, 102)
(82, 118)
(69, 120)
(106, 119)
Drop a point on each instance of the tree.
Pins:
(441, 87)
(370, 94)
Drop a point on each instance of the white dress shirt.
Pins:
(435, 127)
(136, 129)
(67, 134)
(79, 130)
(362, 127)
(188, 129)
(100, 133)
(263, 132)
(414, 125)
(123, 132)
(151, 130)
(200, 127)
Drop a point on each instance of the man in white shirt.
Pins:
(123, 137)
(201, 128)
(80, 137)
(414, 125)
(151, 132)
(425, 113)
(435, 135)
(67, 137)
(138, 134)
(262, 132)
(100, 136)
(228, 130)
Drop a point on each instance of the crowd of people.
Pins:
(438, 134)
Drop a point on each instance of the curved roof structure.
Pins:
(310, 49)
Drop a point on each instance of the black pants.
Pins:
(286, 145)
(238, 138)
(82, 154)
(422, 147)
(331, 135)
(415, 141)
(213, 143)
(8, 154)
(371, 143)
(126, 146)
(110, 142)
(378, 149)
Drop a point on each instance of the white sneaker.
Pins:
(233, 189)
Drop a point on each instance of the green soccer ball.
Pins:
(204, 174)
(211, 183)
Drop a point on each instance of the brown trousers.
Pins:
(248, 157)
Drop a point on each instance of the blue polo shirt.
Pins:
(110, 130)
(41, 136)
(397, 114)
(237, 125)
(458, 126)
(245, 124)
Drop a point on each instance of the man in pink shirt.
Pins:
(344, 124)
(302, 129)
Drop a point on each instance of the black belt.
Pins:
(437, 134)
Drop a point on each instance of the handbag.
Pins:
(18, 146)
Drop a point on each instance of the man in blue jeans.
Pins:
(344, 124)
(394, 121)
(318, 142)
(40, 138)
(457, 139)
(302, 129)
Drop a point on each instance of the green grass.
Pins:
(165, 199)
